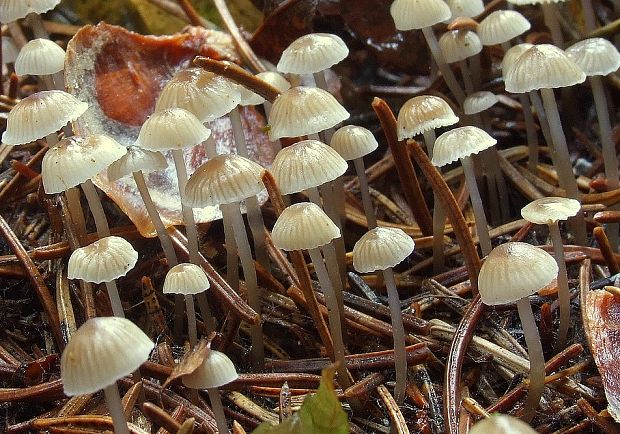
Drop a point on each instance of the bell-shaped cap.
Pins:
(312, 53)
(511, 56)
(465, 8)
(136, 160)
(543, 66)
(304, 110)
(595, 56)
(12, 10)
(275, 79)
(216, 370)
(501, 424)
(353, 142)
(249, 98)
(478, 102)
(306, 164)
(547, 210)
(40, 114)
(40, 57)
(381, 248)
(102, 261)
(9, 50)
(303, 226)
(418, 14)
(460, 143)
(423, 113)
(186, 279)
(101, 351)
(457, 45)
(75, 159)
(513, 271)
(502, 26)
(174, 128)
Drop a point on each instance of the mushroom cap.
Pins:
(224, 179)
(136, 160)
(186, 279)
(478, 102)
(275, 79)
(543, 66)
(101, 351)
(502, 26)
(40, 114)
(534, 2)
(11, 10)
(303, 226)
(381, 248)
(595, 56)
(548, 210)
(10, 51)
(418, 14)
(102, 261)
(40, 57)
(460, 143)
(304, 110)
(215, 371)
(511, 56)
(457, 45)
(513, 271)
(353, 142)
(423, 113)
(174, 128)
(75, 159)
(306, 164)
(501, 424)
(249, 98)
(312, 53)
(465, 8)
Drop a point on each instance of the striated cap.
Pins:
(465, 8)
(457, 45)
(174, 128)
(304, 110)
(478, 102)
(502, 26)
(275, 79)
(312, 53)
(75, 159)
(418, 14)
(136, 160)
(40, 57)
(215, 371)
(501, 424)
(9, 50)
(303, 226)
(11, 10)
(186, 279)
(101, 351)
(595, 56)
(381, 248)
(102, 261)
(249, 98)
(423, 113)
(548, 210)
(353, 142)
(40, 114)
(460, 143)
(511, 56)
(306, 164)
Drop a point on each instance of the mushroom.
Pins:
(456, 46)
(44, 58)
(550, 12)
(465, 8)
(13, 10)
(501, 424)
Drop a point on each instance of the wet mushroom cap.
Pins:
(215, 371)
(547, 210)
(501, 424)
(478, 102)
(40, 57)
(136, 160)
(511, 56)
(502, 26)
(353, 142)
(424, 113)
(102, 261)
(11, 10)
(418, 14)
(303, 226)
(381, 248)
(595, 56)
(174, 128)
(460, 143)
(465, 8)
(312, 53)
(186, 279)
(457, 45)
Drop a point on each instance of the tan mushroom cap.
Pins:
(306, 164)
(101, 351)
(511, 56)
(548, 210)
(174, 128)
(303, 226)
(513, 271)
(136, 160)
(595, 56)
(457, 45)
(312, 53)
(186, 279)
(11, 10)
(418, 14)
(460, 143)
(381, 248)
(102, 261)
(353, 142)
(423, 113)
(40, 57)
(304, 110)
(478, 102)
(465, 8)
(215, 371)
(40, 114)
(75, 159)
(501, 424)
(502, 26)
(9, 50)
(224, 179)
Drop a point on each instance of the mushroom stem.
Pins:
(218, 410)
(371, 219)
(537, 359)
(448, 75)
(542, 118)
(94, 203)
(36, 24)
(188, 213)
(115, 406)
(191, 320)
(476, 203)
(563, 292)
(76, 215)
(115, 299)
(553, 24)
(466, 74)
(400, 353)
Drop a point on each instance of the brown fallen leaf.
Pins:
(189, 363)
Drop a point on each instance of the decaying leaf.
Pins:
(189, 363)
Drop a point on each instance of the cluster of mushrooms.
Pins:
(105, 349)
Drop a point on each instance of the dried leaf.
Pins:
(189, 363)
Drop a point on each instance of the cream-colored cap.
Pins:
(501, 424)
(224, 179)
(9, 50)
(533, 2)
(306, 164)
(511, 56)
(275, 79)
(174, 128)
(548, 210)
(102, 261)
(249, 98)
(75, 159)
(418, 14)
(478, 102)
(381, 248)
(303, 226)
(304, 110)
(312, 53)
(11, 10)
(40, 57)
(40, 114)
(502, 26)
(101, 351)
(353, 142)
(136, 160)
(595, 56)
(513, 271)
(215, 371)
(465, 8)
(460, 143)
(457, 45)
(186, 279)
(423, 113)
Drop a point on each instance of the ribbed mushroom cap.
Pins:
(136, 160)
(460, 143)
(215, 371)
(465, 8)
(249, 98)
(75, 159)
(303, 226)
(224, 179)
(501, 424)
(306, 164)
(101, 351)
(423, 113)
(174, 128)
(9, 50)
(40, 114)
(102, 261)
(595, 56)
(40, 57)
(457, 45)
(207, 95)
(478, 102)
(312, 53)
(511, 56)
(381, 248)
(418, 14)
(275, 79)
(304, 110)
(543, 66)
(353, 142)
(548, 210)
(186, 279)
(502, 26)
(513, 271)
(11, 10)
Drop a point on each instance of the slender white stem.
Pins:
(232, 258)
(333, 201)
(75, 210)
(319, 79)
(115, 406)
(238, 134)
(188, 213)
(467, 80)
(553, 24)
(36, 24)
(369, 210)
(429, 141)
(542, 118)
(476, 202)
(400, 353)
(191, 320)
(94, 203)
(448, 75)
(531, 134)
(218, 410)
(563, 291)
(210, 147)
(115, 299)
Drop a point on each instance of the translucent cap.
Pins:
(457, 45)
(186, 279)
(423, 113)
(418, 14)
(136, 160)
(275, 79)
(465, 8)
(501, 424)
(460, 143)
(11, 10)
(511, 56)
(215, 371)
(548, 210)
(502, 26)
(9, 50)
(353, 142)
(102, 261)
(381, 248)
(40, 57)
(303, 226)
(312, 53)
(595, 56)
(479, 101)
(174, 128)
